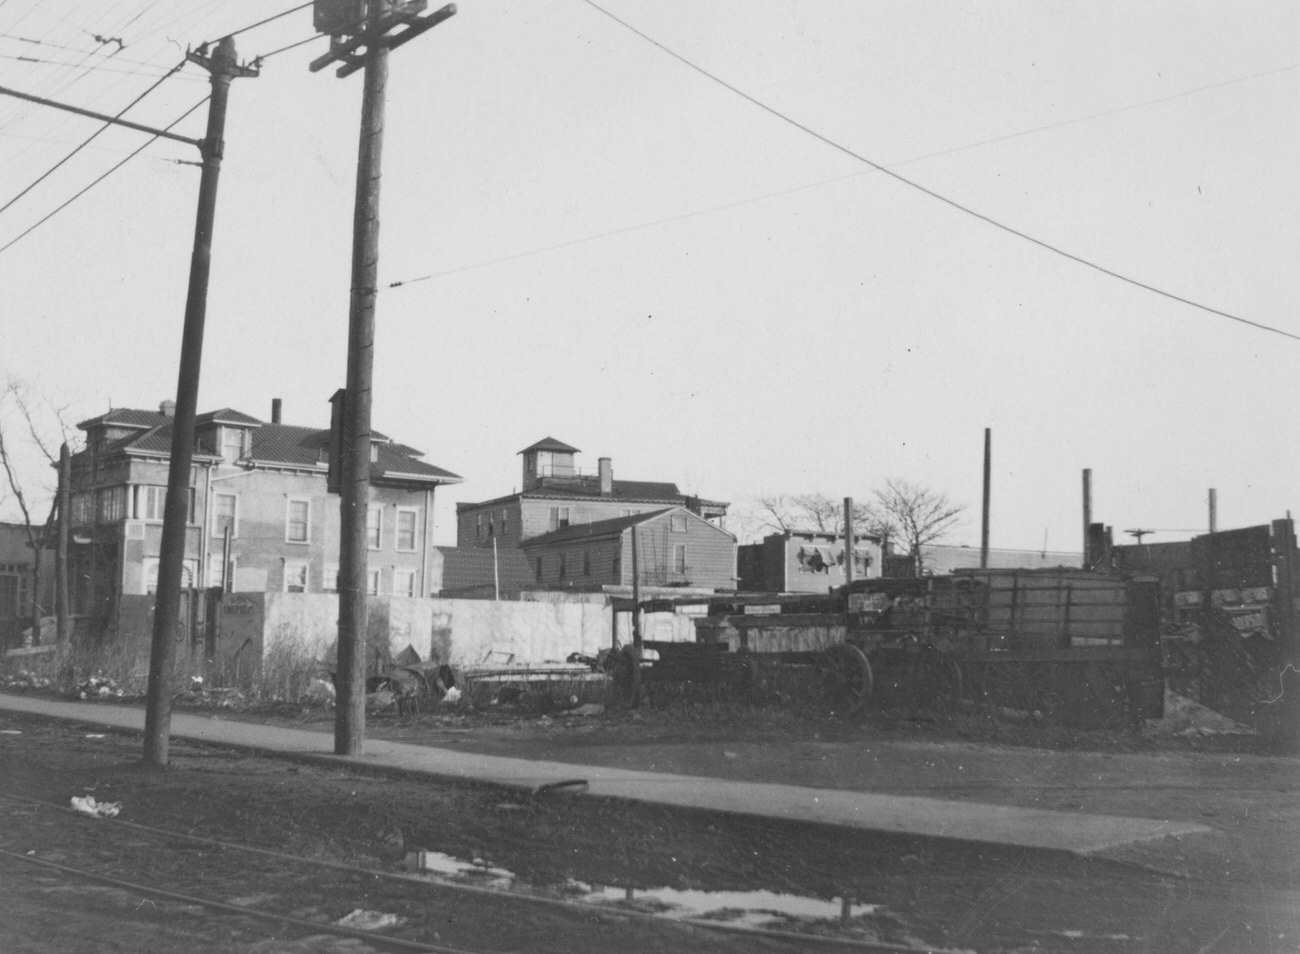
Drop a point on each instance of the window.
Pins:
(232, 444)
(372, 582)
(492, 530)
(539, 569)
(406, 533)
(151, 504)
(618, 563)
(586, 563)
(329, 582)
(679, 558)
(564, 565)
(478, 527)
(503, 522)
(677, 523)
(403, 582)
(112, 505)
(375, 527)
(298, 522)
(295, 577)
(559, 517)
(225, 515)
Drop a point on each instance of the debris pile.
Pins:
(97, 686)
(24, 679)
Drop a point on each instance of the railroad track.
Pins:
(237, 880)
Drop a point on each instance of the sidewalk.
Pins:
(907, 815)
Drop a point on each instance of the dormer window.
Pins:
(232, 444)
(374, 453)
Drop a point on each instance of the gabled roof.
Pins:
(596, 530)
(551, 444)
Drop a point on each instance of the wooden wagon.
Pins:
(1069, 645)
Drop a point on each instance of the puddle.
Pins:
(739, 908)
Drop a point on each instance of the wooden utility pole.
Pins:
(61, 596)
(1089, 558)
(849, 541)
(988, 480)
(224, 67)
(372, 34)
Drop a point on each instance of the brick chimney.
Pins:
(276, 404)
(606, 469)
(167, 408)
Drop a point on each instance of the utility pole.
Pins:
(223, 67)
(988, 483)
(369, 23)
(61, 596)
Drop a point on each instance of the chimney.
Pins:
(606, 476)
(167, 408)
(275, 410)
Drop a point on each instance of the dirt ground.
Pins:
(1232, 890)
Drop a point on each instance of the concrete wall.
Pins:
(464, 632)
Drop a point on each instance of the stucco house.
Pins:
(260, 516)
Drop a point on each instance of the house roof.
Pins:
(588, 488)
(126, 417)
(597, 529)
(226, 416)
(476, 570)
(551, 444)
(275, 444)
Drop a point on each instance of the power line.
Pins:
(253, 26)
(101, 178)
(48, 172)
(989, 220)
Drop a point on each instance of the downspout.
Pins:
(427, 543)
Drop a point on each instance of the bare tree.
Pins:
(819, 512)
(916, 514)
(41, 420)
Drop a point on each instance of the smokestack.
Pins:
(606, 476)
(167, 408)
(275, 410)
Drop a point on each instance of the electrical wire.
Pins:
(100, 179)
(91, 138)
(938, 196)
(253, 26)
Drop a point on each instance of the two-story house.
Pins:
(673, 547)
(260, 516)
(555, 494)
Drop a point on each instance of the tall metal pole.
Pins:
(171, 561)
(350, 711)
(1214, 510)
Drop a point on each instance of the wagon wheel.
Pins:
(935, 684)
(846, 675)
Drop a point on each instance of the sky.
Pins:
(755, 247)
